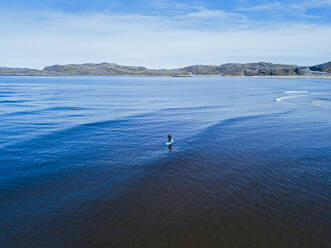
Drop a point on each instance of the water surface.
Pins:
(83, 162)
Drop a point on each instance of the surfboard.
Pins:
(168, 143)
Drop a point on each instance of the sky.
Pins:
(164, 33)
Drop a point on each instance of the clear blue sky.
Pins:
(164, 33)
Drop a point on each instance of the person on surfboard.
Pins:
(170, 141)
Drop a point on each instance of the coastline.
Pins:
(295, 76)
(327, 77)
(259, 69)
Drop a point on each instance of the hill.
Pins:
(326, 67)
(231, 69)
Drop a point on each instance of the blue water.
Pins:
(83, 162)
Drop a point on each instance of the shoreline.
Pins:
(259, 69)
(296, 76)
(327, 77)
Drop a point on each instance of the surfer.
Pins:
(170, 141)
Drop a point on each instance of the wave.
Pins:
(15, 101)
(41, 111)
(292, 94)
(239, 119)
(296, 92)
(19, 113)
(64, 108)
(75, 129)
(288, 97)
(123, 143)
(194, 108)
(218, 140)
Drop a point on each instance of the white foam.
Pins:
(288, 97)
(297, 92)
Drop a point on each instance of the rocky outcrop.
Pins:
(326, 67)
(95, 69)
(250, 69)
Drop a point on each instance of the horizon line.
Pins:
(151, 68)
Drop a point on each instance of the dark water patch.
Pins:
(198, 108)
(65, 108)
(209, 193)
(21, 113)
(212, 196)
(324, 99)
(14, 101)
(7, 92)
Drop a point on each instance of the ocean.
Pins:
(83, 162)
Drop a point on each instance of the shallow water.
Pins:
(83, 162)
